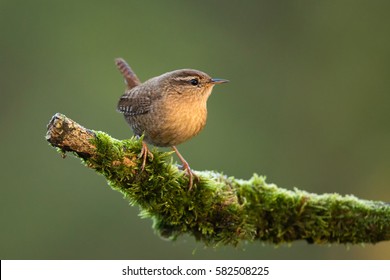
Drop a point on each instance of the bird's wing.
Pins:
(132, 103)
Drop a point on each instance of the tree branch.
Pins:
(220, 209)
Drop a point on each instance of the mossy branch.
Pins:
(220, 209)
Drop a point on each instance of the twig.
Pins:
(220, 209)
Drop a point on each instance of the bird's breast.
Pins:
(177, 122)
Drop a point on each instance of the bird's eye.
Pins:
(194, 82)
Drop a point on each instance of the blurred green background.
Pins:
(308, 105)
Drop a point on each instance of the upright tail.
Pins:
(131, 78)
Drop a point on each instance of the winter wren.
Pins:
(168, 110)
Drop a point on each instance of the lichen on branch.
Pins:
(219, 210)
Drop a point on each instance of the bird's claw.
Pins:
(191, 175)
(144, 154)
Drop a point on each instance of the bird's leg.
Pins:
(186, 167)
(144, 154)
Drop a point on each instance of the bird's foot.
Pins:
(191, 175)
(145, 153)
(186, 167)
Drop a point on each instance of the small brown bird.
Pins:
(168, 110)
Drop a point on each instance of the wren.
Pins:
(168, 109)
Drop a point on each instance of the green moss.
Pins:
(222, 210)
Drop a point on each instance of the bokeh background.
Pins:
(308, 106)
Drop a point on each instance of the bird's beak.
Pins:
(218, 81)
